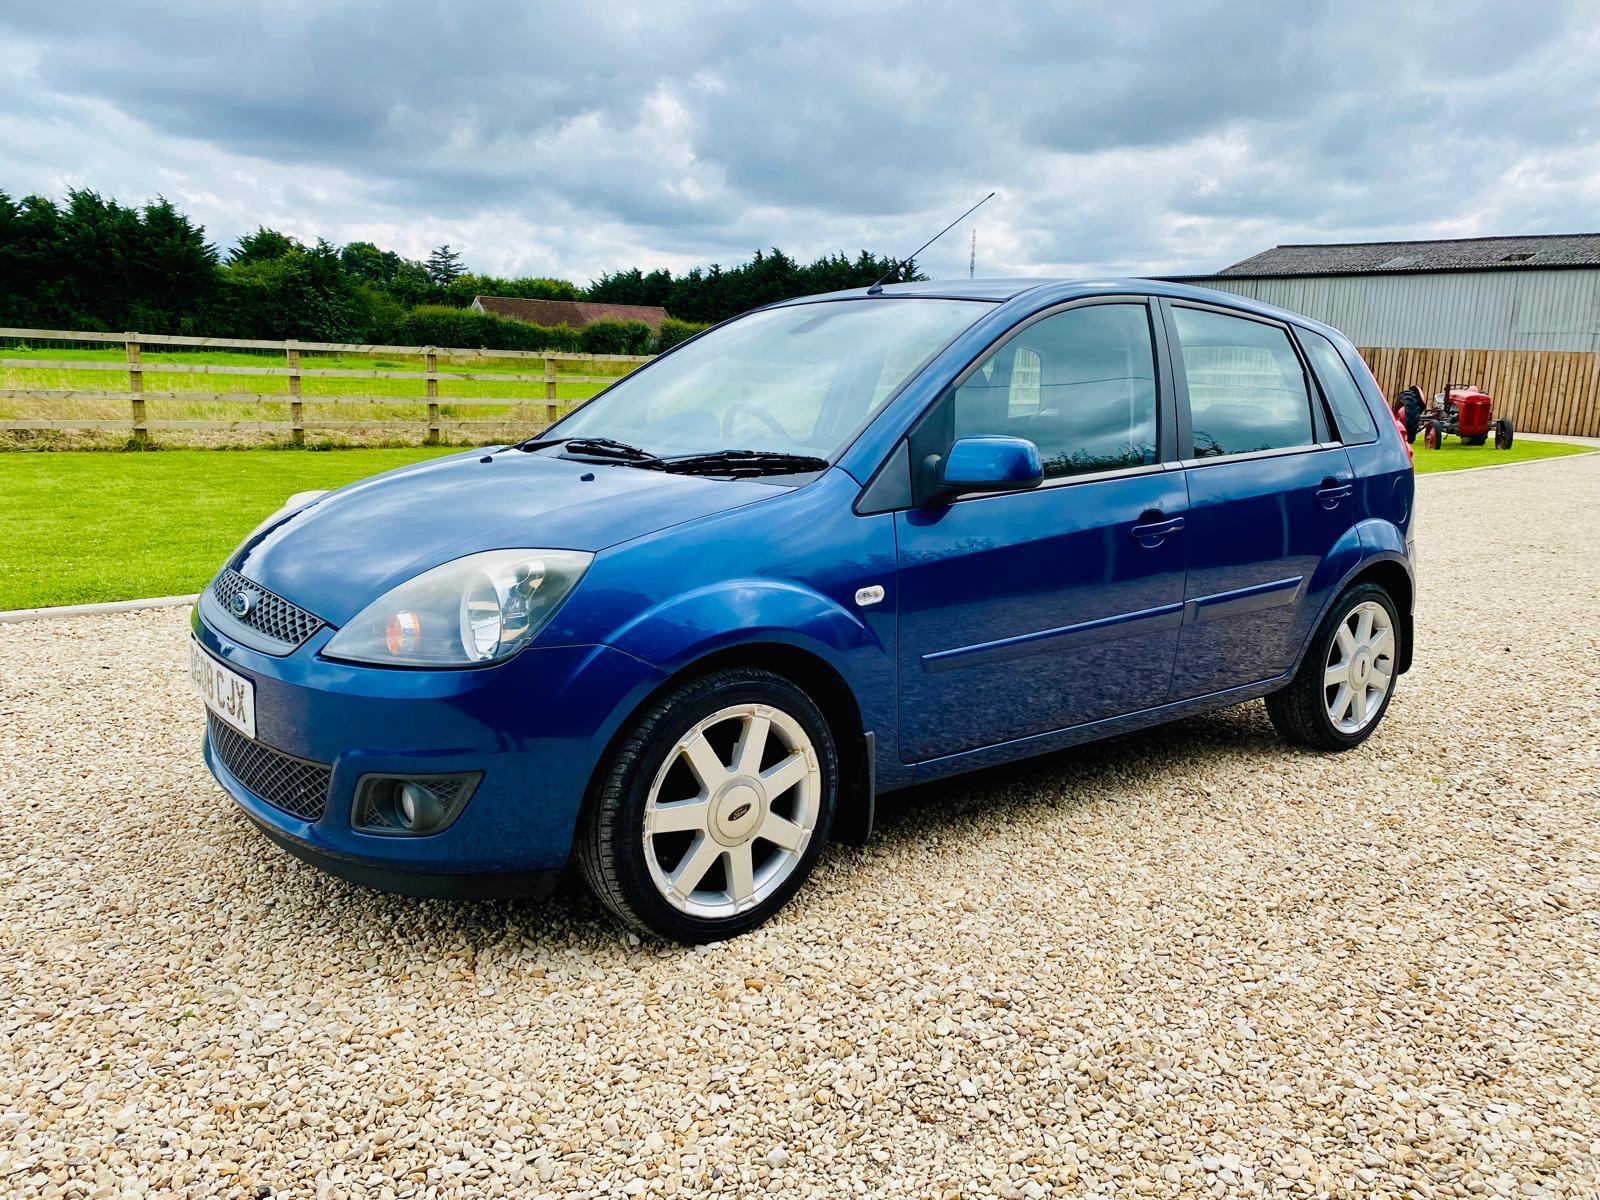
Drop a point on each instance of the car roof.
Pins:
(1053, 291)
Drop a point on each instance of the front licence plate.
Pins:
(228, 694)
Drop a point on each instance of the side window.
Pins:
(1247, 390)
(1349, 409)
(1080, 385)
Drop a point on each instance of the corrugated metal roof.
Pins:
(1455, 254)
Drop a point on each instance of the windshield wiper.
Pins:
(743, 463)
(598, 449)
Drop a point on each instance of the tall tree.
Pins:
(444, 265)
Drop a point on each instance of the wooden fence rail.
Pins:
(136, 366)
(1542, 391)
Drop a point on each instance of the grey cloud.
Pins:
(580, 138)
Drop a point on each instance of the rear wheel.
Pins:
(1476, 439)
(1346, 680)
(714, 809)
(1503, 434)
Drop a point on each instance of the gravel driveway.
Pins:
(1183, 962)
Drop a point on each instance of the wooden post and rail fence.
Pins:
(1542, 391)
(546, 407)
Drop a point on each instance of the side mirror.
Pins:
(985, 464)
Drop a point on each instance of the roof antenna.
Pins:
(894, 268)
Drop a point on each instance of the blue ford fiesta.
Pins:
(825, 550)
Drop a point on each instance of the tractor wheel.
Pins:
(1432, 435)
(1477, 440)
(1503, 434)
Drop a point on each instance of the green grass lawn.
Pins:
(80, 527)
(1454, 455)
(84, 526)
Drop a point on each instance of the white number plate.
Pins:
(231, 696)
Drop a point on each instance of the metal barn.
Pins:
(1519, 316)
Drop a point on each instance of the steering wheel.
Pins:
(755, 410)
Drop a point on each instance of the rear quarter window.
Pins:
(1350, 411)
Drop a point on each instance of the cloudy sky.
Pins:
(570, 139)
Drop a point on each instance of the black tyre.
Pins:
(714, 808)
(1503, 434)
(1345, 683)
(1432, 435)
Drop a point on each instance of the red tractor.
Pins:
(1466, 412)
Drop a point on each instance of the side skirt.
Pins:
(1060, 739)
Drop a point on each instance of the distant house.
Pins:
(573, 313)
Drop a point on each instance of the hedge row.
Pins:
(438, 325)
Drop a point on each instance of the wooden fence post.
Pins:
(141, 435)
(297, 428)
(430, 357)
(549, 392)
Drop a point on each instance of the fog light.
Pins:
(420, 810)
(410, 805)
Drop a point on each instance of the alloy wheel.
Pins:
(731, 810)
(1360, 667)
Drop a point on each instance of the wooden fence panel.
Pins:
(137, 363)
(1542, 391)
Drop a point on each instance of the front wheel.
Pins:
(1432, 435)
(714, 809)
(1503, 434)
(1346, 680)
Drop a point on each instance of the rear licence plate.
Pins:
(228, 694)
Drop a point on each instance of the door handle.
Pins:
(1150, 535)
(1332, 491)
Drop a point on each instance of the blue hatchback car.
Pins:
(824, 550)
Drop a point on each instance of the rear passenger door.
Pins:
(1270, 498)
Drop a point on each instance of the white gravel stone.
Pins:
(1189, 962)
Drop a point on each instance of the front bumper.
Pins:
(535, 727)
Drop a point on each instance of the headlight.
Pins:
(476, 610)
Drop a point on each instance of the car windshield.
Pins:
(795, 380)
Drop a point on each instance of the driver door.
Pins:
(1022, 613)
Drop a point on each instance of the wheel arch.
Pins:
(1393, 577)
(822, 681)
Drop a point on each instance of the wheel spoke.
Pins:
(741, 873)
(1347, 641)
(782, 776)
(752, 745)
(1381, 678)
(1364, 624)
(710, 770)
(1341, 702)
(1338, 673)
(1360, 696)
(695, 864)
(781, 832)
(683, 817)
(1382, 644)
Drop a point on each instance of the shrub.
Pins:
(674, 331)
(441, 325)
(616, 337)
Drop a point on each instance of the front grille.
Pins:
(295, 785)
(270, 615)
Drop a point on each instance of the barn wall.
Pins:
(1480, 310)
